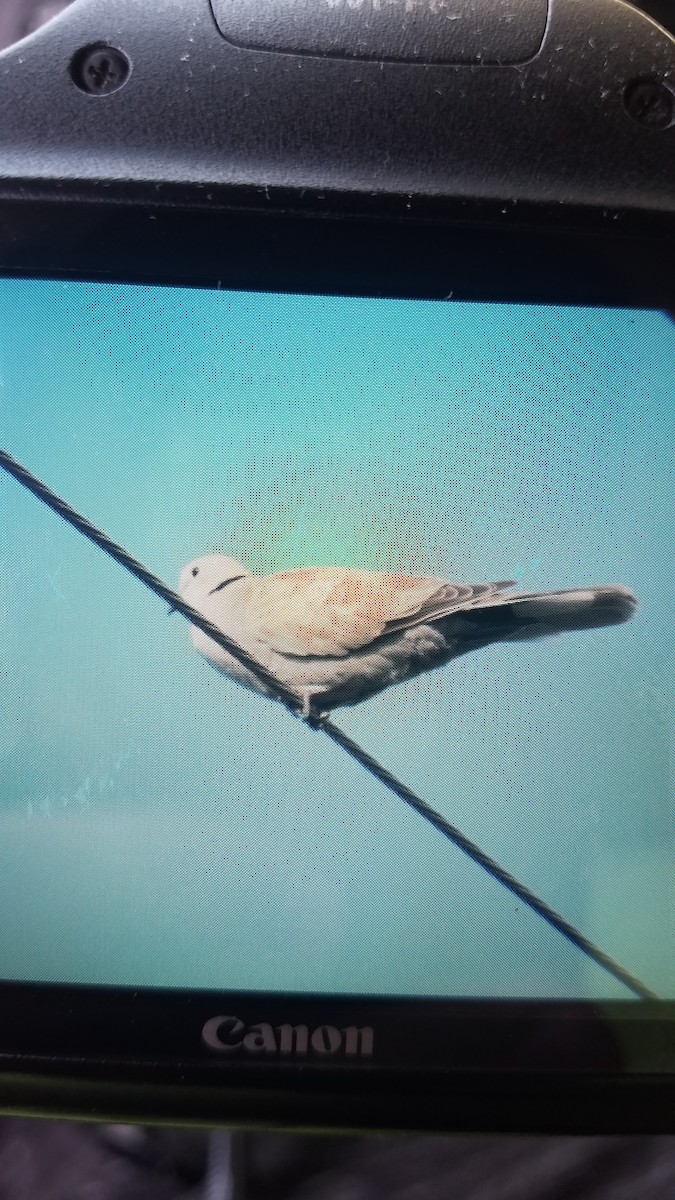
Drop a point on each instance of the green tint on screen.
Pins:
(160, 825)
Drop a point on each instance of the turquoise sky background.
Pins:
(158, 824)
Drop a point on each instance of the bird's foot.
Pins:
(315, 718)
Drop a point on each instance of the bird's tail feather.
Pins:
(542, 613)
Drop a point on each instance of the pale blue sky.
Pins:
(158, 824)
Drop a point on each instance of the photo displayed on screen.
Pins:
(444, 528)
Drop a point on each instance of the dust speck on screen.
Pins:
(425, 547)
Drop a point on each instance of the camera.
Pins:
(343, 330)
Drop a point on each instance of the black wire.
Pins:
(151, 581)
(289, 698)
(489, 864)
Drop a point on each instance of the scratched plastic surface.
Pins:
(160, 825)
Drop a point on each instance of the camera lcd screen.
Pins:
(163, 825)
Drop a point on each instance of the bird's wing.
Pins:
(331, 611)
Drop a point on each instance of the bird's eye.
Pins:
(195, 571)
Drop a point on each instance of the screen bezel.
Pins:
(457, 1064)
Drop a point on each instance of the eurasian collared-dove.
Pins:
(336, 635)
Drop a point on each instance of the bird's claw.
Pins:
(315, 718)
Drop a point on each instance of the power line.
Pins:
(293, 703)
(156, 585)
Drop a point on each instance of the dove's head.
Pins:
(208, 574)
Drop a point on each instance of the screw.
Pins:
(650, 102)
(100, 69)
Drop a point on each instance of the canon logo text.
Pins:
(229, 1035)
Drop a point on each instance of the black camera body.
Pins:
(519, 125)
(458, 151)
